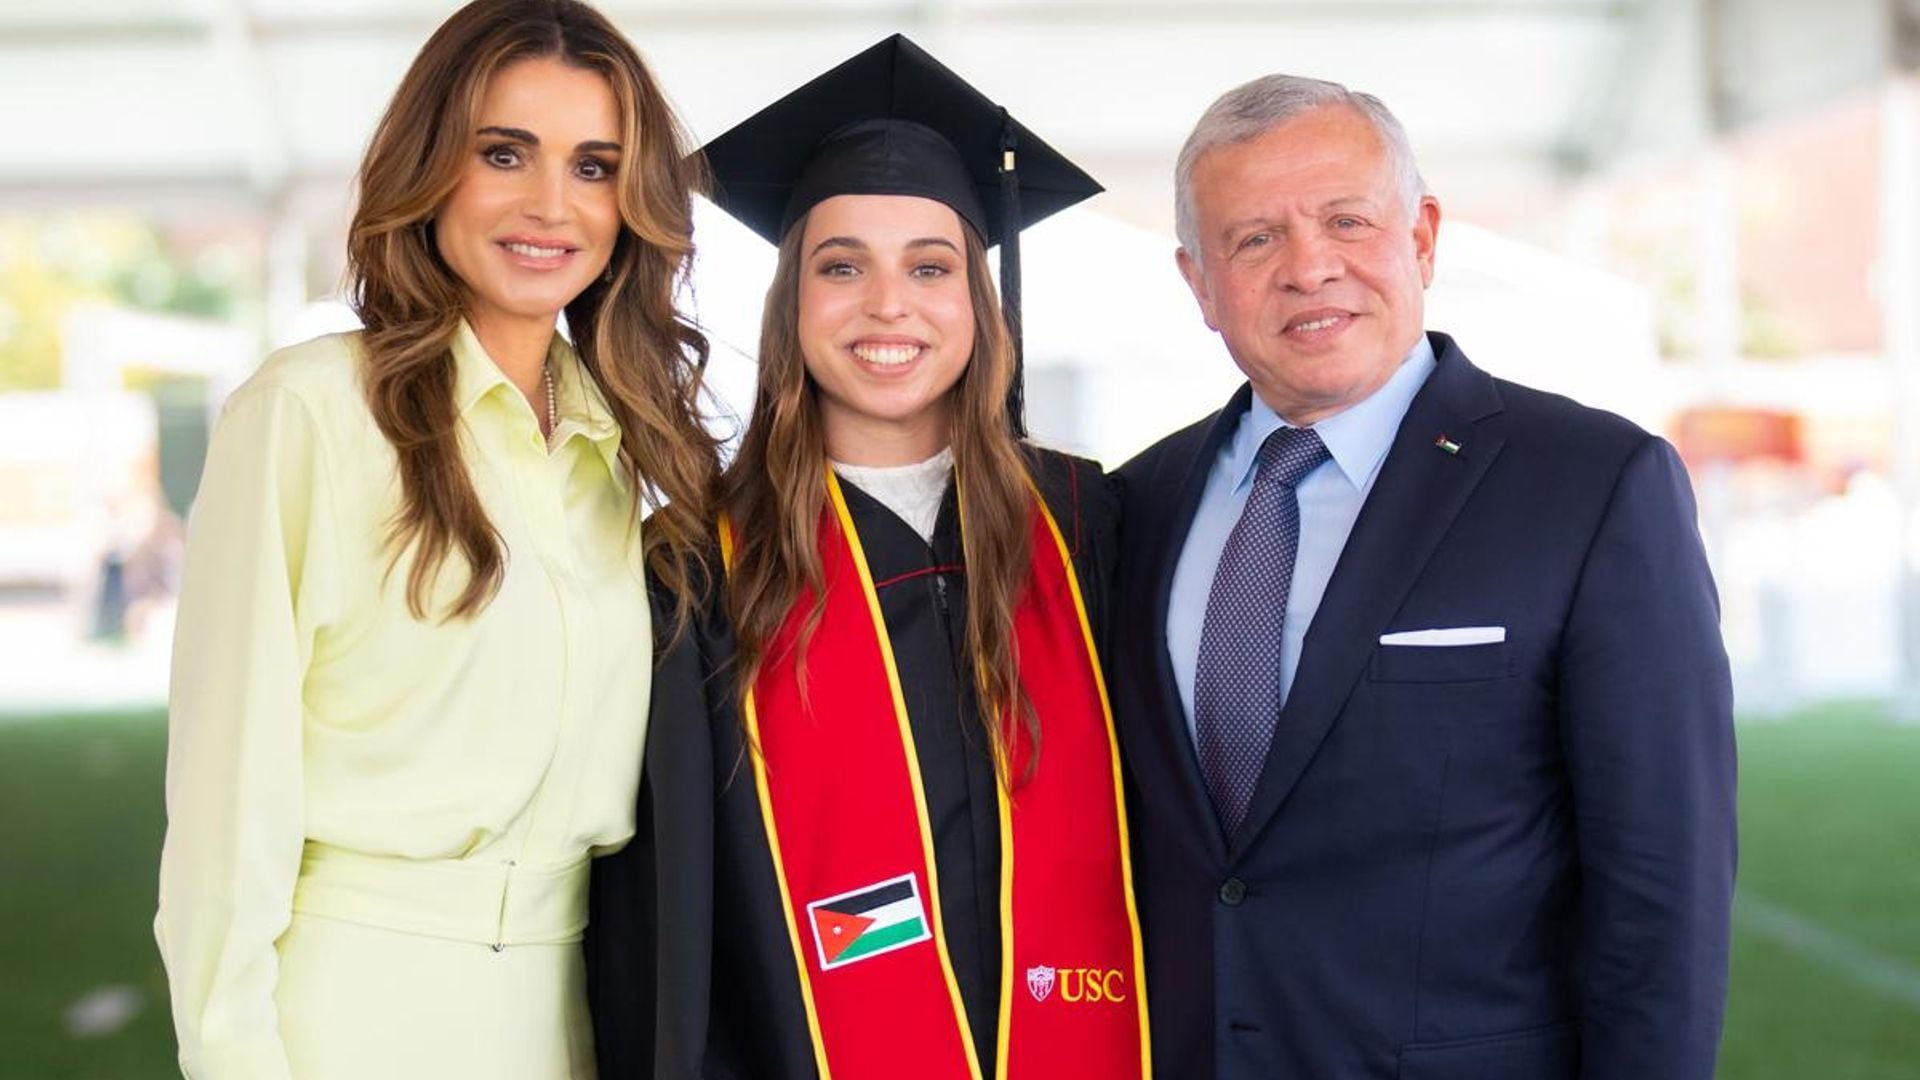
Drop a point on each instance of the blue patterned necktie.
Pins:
(1236, 686)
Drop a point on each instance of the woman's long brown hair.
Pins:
(775, 492)
(647, 359)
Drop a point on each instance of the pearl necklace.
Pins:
(553, 407)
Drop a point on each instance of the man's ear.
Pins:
(1426, 235)
(1197, 281)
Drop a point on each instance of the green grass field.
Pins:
(80, 824)
(1830, 831)
(1830, 809)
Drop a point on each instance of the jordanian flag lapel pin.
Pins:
(866, 922)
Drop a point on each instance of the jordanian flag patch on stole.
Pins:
(868, 921)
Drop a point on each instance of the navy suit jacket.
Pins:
(1504, 861)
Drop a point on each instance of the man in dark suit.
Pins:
(1419, 675)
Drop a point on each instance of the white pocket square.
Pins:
(1453, 635)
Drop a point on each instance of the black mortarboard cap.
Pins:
(894, 121)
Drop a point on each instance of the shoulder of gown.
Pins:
(1085, 502)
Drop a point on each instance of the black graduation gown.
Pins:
(689, 969)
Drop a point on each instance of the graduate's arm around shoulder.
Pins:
(649, 932)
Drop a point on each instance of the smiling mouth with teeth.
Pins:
(886, 355)
(1317, 324)
(537, 252)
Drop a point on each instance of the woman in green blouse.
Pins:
(412, 663)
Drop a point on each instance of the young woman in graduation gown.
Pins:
(881, 828)
(405, 709)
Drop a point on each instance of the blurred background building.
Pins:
(1702, 214)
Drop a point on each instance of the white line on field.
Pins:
(1864, 965)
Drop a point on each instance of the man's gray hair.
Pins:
(1252, 109)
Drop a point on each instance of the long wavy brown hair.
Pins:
(647, 359)
(775, 492)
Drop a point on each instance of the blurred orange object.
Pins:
(1719, 435)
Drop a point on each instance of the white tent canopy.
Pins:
(267, 103)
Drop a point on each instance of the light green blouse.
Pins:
(310, 711)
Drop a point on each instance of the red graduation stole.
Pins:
(846, 819)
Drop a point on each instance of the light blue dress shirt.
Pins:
(1330, 497)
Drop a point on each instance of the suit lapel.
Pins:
(1175, 744)
(1420, 490)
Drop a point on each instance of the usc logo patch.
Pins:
(1077, 985)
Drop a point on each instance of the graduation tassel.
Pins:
(1010, 271)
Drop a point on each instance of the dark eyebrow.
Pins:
(838, 241)
(516, 134)
(528, 137)
(856, 244)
